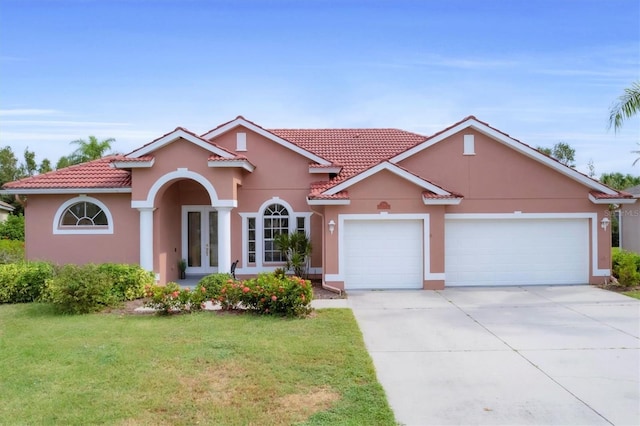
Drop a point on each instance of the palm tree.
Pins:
(627, 106)
(91, 150)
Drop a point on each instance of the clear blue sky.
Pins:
(543, 71)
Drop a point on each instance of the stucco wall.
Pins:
(41, 244)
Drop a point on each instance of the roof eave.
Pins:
(243, 164)
(320, 170)
(441, 201)
(132, 164)
(596, 200)
(328, 202)
(49, 191)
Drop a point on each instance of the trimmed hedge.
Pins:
(11, 251)
(128, 282)
(23, 282)
(626, 267)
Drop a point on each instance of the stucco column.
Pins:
(146, 238)
(224, 239)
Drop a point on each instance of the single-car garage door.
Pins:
(383, 254)
(516, 251)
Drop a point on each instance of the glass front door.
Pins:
(200, 239)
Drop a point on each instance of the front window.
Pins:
(84, 214)
(275, 222)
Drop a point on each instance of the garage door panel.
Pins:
(516, 252)
(382, 254)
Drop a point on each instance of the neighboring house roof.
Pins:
(634, 190)
(93, 176)
(7, 207)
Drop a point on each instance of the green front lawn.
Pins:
(632, 293)
(203, 368)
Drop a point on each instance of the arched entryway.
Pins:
(183, 219)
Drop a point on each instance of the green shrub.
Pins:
(11, 251)
(276, 295)
(171, 298)
(80, 290)
(12, 228)
(127, 281)
(626, 268)
(23, 282)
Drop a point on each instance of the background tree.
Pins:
(619, 181)
(29, 167)
(45, 166)
(626, 107)
(562, 152)
(91, 149)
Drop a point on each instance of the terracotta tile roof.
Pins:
(432, 196)
(354, 149)
(94, 174)
(123, 159)
(603, 196)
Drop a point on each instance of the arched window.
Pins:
(83, 215)
(275, 222)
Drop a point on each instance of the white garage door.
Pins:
(516, 252)
(383, 254)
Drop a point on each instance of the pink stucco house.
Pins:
(384, 208)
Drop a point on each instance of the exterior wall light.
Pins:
(604, 223)
(332, 226)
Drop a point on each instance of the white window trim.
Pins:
(82, 230)
(260, 265)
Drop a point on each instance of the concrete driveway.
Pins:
(563, 355)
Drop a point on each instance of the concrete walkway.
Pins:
(563, 355)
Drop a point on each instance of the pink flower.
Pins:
(274, 297)
(202, 289)
(175, 293)
(246, 290)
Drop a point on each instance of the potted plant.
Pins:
(182, 265)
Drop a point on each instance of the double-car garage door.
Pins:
(389, 254)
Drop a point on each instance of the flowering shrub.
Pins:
(213, 284)
(171, 298)
(277, 295)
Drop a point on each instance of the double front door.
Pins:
(200, 239)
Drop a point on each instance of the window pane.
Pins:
(84, 214)
(194, 253)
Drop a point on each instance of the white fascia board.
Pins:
(393, 169)
(595, 200)
(325, 170)
(506, 140)
(51, 191)
(132, 164)
(244, 123)
(441, 201)
(340, 202)
(177, 134)
(233, 163)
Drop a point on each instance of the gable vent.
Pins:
(469, 145)
(241, 141)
